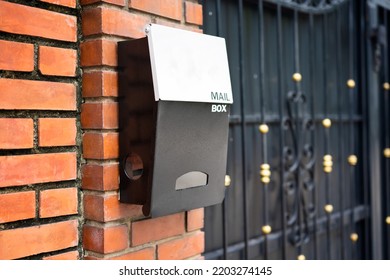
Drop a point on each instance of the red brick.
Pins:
(99, 53)
(108, 21)
(49, 58)
(23, 242)
(183, 248)
(105, 208)
(194, 13)
(57, 132)
(99, 115)
(36, 95)
(100, 177)
(105, 240)
(58, 202)
(166, 8)
(100, 145)
(16, 133)
(115, 2)
(72, 255)
(66, 3)
(156, 229)
(101, 83)
(16, 56)
(17, 206)
(25, 20)
(144, 254)
(195, 219)
(39, 168)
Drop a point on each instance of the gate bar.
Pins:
(351, 92)
(243, 127)
(329, 209)
(271, 119)
(386, 92)
(340, 130)
(373, 144)
(281, 97)
(224, 208)
(266, 229)
(312, 111)
(362, 65)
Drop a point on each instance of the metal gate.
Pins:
(308, 160)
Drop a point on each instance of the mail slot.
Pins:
(174, 103)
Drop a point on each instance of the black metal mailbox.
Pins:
(174, 103)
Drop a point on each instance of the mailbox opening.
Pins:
(193, 179)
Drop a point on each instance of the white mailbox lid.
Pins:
(188, 66)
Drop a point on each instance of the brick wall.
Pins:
(59, 133)
(39, 135)
(113, 230)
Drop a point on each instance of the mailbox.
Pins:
(174, 102)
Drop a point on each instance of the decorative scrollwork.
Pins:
(316, 6)
(298, 169)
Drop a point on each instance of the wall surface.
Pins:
(59, 175)
(39, 136)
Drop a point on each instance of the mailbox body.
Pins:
(173, 145)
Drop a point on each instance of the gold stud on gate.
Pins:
(263, 128)
(386, 86)
(328, 208)
(266, 229)
(265, 180)
(354, 237)
(352, 160)
(326, 123)
(227, 180)
(327, 169)
(327, 158)
(327, 163)
(301, 258)
(386, 152)
(351, 83)
(265, 173)
(388, 220)
(297, 77)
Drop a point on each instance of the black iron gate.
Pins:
(308, 167)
